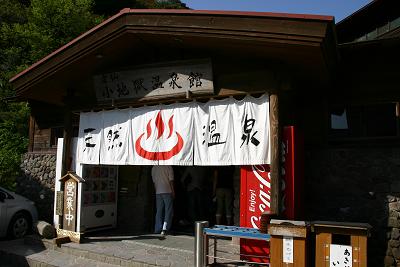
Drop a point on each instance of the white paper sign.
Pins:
(340, 256)
(287, 249)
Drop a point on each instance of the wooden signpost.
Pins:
(68, 211)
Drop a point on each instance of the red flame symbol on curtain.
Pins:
(160, 155)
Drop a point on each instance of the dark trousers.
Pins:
(196, 207)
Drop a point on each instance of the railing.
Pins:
(202, 244)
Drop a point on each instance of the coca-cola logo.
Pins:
(159, 155)
(260, 197)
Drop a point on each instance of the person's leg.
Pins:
(200, 204)
(228, 206)
(159, 213)
(191, 206)
(220, 205)
(169, 210)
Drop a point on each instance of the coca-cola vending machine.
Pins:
(255, 193)
(255, 198)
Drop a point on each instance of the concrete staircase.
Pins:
(34, 251)
(108, 251)
(22, 253)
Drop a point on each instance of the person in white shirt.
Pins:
(163, 179)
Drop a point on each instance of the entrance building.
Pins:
(194, 77)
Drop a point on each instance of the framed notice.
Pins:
(287, 249)
(59, 202)
(340, 256)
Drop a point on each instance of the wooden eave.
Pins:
(72, 175)
(247, 30)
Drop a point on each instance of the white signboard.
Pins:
(287, 249)
(340, 256)
(170, 79)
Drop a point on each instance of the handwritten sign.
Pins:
(340, 256)
(287, 249)
(166, 80)
(59, 202)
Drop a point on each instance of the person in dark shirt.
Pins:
(223, 191)
(194, 179)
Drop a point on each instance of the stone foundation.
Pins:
(37, 182)
(392, 257)
(358, 185)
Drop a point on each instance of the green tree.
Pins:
(53, 23)
(108, 8)
(13, 141)
(28, 32)
(13, 116)
(170, 4)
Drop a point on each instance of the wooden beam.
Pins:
(31, 133)
(275, 151)
(67, 135)
(248, 82)
(61, 240)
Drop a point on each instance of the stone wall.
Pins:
(358, 185)
(37, 182)
(392, 257)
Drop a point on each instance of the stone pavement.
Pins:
(107, 251)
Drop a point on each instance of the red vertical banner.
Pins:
(255, 198)
(292, 174)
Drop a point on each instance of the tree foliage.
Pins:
(170, 4)
(29, 30)
(107, 8)
(13, 141)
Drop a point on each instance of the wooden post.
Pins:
(275, 151)
(323, 240)
(359, 244)
(67, 135)
(31, 133)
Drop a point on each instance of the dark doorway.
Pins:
(135, 200)
(193, 199)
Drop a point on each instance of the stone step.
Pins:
(145, 250)
(18, 253)
(125, 252)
